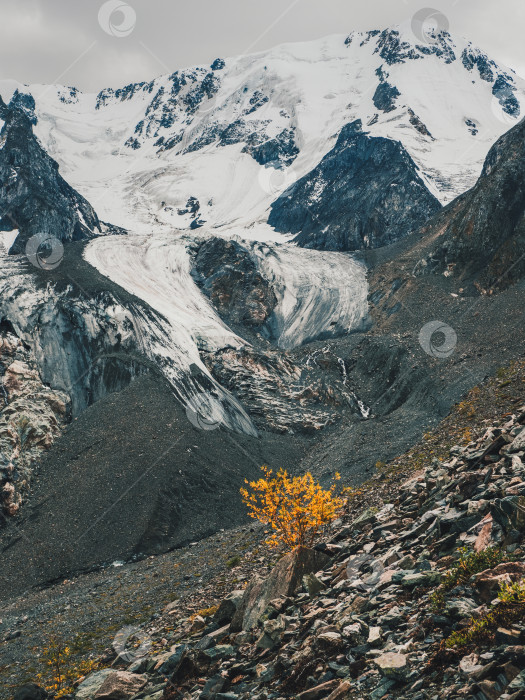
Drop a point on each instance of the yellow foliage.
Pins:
(295, 507)
(62, 671)
(352, 496)
(205, 612)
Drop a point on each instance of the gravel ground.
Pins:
(86, 612)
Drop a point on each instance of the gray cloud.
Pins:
(47, 41)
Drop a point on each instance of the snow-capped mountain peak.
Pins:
(231, 137)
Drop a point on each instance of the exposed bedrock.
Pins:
(481, 234)
(280, 395)
(31, 417)
(228, 275)
(34, 198)
(366, 192)
(90, 337)
(85, 347)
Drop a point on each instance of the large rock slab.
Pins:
(392, 665)
(30, 691)
(509, 512)
(282, 581)
(488, 582)
(120, 685)
(228, 607)
(518, 444)
(90, 686)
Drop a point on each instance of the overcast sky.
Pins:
(75, 42)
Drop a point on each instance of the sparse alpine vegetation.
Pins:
(393, 599)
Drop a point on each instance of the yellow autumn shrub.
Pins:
(295, 507)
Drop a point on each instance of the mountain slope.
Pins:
(34, 198)
(213, 149)
(232, 137)
(366, 192)
(482, 234)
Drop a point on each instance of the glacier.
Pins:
(231, 138)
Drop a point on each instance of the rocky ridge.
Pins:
(280, 394)
(481, 234)
(365, 193)
(35, 200)
(31, 417)
(356, 617)
(228, 275)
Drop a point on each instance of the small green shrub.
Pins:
(233, 562)
(468, 564)
(510, 608)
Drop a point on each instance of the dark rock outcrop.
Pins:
(418, 124)
(229, 277)
(503, 90)
(394, 49)
(34, 198)
(30, 691)
(280, 395)
(385, 97)
(482, 233)
(278, 151)
(365, 193)
(485, 66)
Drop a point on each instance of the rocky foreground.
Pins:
(399, 601)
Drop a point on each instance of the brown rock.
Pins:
(510, 671)
(228, 607)
(507, 636)
(120, 685)
(197, 625)
(358, 604)
(489, 689)
(488, 582)
(284, 579)
(330, 641)
(319, 691)
(483, 539)
(341, 692)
